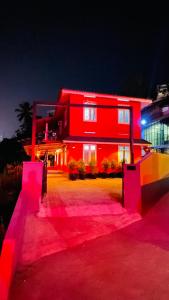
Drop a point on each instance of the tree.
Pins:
(25, 118)
(11, 152)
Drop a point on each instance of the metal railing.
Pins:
(44, 177)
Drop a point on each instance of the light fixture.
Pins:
(143, 122)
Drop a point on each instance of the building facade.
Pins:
(155, 119)
(91, 133)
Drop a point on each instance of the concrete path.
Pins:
(129, 264)
(81, 197)
(72, 213)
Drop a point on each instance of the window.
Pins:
(123, 116)
(89, 113)
(124, 154)
(89, 153)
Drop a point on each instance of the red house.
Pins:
(100, 130)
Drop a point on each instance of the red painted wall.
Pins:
(107, 119)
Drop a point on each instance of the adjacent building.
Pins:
(155, 121)
(90, 133)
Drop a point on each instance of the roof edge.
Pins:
(108, 96)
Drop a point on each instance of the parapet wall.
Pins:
(154, 179)
(28, 202)
(11, 248)
(145, 182)
(154, 167)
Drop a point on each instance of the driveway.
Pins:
(129, 264)
(71, 213)
(88, 192)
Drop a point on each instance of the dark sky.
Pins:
(84, 47)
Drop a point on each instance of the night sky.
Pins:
(103, 49)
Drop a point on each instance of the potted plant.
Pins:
(92, 169)
(105, 166)
(72, 166)
(113, 166)
(81, 169)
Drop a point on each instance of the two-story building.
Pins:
(100, 130)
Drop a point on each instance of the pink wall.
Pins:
(32, 183)
(132, 188)
(27, 202)
(12, 247)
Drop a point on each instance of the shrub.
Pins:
(81, 166)
(72, 165)
(105, 164)
(114, 164)
(81, 169)
(92, 170)
(92, 166)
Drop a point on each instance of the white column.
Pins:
(61, 158)
(57, 158)
(65, 156)
(46, 132)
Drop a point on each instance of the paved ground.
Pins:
(72, 213)
(83, 192)
(132, 263)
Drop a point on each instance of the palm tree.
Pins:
(25, 118)
(24, 111)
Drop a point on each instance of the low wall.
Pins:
(154, 177)
(11, 248)
(145, 182)
(28, 202)
(154, 167)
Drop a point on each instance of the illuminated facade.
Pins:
(156, 122)
(90, 133)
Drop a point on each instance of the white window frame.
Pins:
(89, 146)
(123, 112)
(89, 109)
(126, 148)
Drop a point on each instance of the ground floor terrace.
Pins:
(61, 153)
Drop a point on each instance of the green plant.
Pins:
(92, 165)
(81, 169)
(113, 164)
(81, 166)
(105, 164)
(72, 165)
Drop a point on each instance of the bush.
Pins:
(92, 169)
(92, 166)
(72, 165)
(81, 169)
(114, 164)
(105, 164)
(81, 166)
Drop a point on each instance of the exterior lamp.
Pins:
(143, 122)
